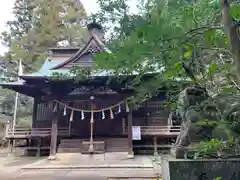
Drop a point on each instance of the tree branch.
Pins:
(231, 30)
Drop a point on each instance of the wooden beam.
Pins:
(34, 118)
(130, 144)
(85, 96)
(54, 132)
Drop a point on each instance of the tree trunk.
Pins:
(232, 31)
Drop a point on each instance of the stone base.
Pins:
(182, 169)
(130, 156)
(52, 158)
(178, 152)
(10, 155)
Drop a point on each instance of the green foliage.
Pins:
(216, 148)
(159, 39)
(40, 24)
(75, 73)
(217, 178)
(235, 10)
(170, 32)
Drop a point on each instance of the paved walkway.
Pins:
(73, 161)
(71, 167)
(93, 174)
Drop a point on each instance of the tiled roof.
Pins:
(46, 69)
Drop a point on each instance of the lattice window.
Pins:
(93, 49)
(44, 111)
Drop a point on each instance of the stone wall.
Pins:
(180, 169)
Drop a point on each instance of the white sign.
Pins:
(136, 133)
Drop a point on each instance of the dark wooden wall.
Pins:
(142, 116)
(151, 112)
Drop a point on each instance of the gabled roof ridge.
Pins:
(101, 44)
(79, 52)
(82, 51)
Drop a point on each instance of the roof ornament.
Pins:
(97, 30)
(94, 25)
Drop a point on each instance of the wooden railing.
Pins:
(34, 132)
(158, 130)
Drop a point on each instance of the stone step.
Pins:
(70, 144)
(117, 144)
(65, 147)
(70, 140)
(69, 150)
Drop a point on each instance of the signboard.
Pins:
(136, 133)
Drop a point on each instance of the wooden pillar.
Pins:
(123, 125)
(10, 141)
(10, 147)
(34, 118)
(145, 113)
(6, 130)
(39, 143)
(130, 144)
(54, 132)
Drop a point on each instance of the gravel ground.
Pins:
(10, 169)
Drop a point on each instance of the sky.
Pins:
(6, 13)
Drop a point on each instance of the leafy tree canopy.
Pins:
(162, 36)
(40, 24)
(178, 40)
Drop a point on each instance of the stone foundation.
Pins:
(207, 169)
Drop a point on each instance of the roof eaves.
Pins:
(63, 48)
(26, 77)
(16, 83)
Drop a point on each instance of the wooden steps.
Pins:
(117, 145)
(110, 145)
(70, 146)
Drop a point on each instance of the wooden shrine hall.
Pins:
(91, 115)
